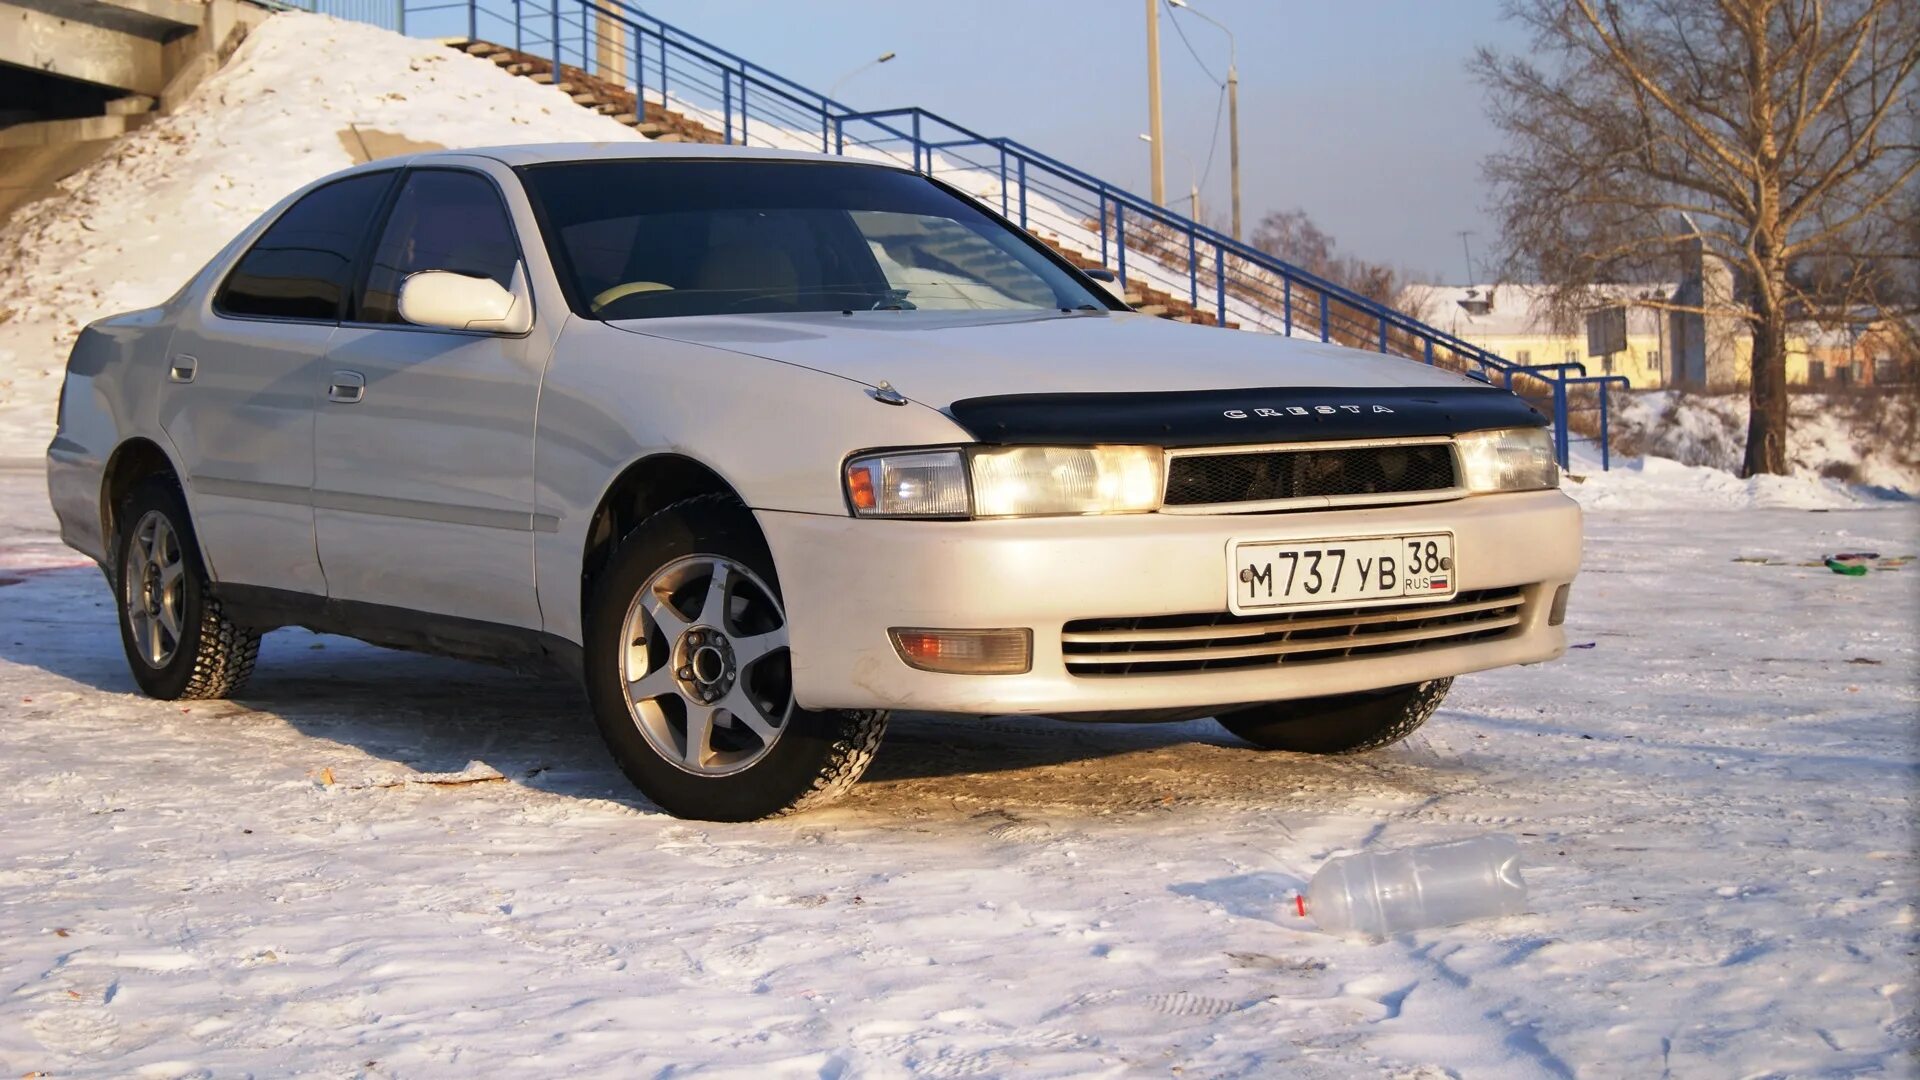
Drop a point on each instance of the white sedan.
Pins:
(763, 445)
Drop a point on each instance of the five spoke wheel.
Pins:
(151, 580)
(705, 664)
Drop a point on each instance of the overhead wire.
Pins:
(1213, 143)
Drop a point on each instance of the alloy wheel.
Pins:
(706, 665)
(154, 589)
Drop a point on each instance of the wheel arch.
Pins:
(132, 461)
(643, 488)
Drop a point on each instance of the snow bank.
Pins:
(1861, 439)
(1656, 482)
(135, 225)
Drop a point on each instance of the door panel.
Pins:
(423, 488)
(243, 430)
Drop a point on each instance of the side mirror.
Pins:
(1109, 281)
(458, 302)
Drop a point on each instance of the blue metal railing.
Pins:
(1217, 278)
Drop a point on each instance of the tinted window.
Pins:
(648, 239)
(442, 220)
(302, 266)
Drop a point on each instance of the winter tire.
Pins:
(178, 642)
(690, 678)
(1343, 724)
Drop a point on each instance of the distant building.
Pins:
(1512, 321)
(1664, 348)
(1870, 351)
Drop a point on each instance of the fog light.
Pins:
(965, 652)
(1557, 614)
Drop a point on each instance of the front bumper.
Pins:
(846, 582)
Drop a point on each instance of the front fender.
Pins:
(775, 432)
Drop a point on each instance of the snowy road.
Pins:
(1715, 800)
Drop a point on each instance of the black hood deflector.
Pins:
(1230, 417)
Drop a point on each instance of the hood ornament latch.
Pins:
(885, 394)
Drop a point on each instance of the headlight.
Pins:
(1011, 481)
(1510, 459)
(1027, 481)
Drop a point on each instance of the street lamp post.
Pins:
(873, 63)
(1233, 105)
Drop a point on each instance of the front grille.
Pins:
(1274, 475)
(1165, 644)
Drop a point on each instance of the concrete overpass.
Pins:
(74, 74)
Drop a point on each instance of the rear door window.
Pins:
(302, 266)
(443, 219)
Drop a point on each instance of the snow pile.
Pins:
(135, 225)
(1857, 438)
(1654, 483)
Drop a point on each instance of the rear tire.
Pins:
(1342, 724)
(178, 641)
(696, 701)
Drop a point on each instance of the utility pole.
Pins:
(1233, 127)
(1233, 103)
(1467, 250)
(1154, 133)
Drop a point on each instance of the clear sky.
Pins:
(1360, 112)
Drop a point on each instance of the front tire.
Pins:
(1342, 724)
(689, 674)
(178, 641)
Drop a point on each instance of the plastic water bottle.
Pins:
(1377, 893)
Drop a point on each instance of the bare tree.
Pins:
(1297, 238)
(1780, 135)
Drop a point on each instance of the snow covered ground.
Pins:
(1715, 800)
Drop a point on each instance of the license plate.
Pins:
(1339, 573)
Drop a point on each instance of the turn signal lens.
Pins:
(1510, 459)
(915, 484)
(966, 652)
(1023, 481)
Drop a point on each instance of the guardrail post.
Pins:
(1326, 332)
(639, 73)
(1023, 192)
(1104, 257)
(743, 106)
(519, 34)
(1220, 281)
(840, 135)
(1003, 180)
(1606, 444)
(663, 67)
(1383, 333)
(726, 105)
(473, 18)
(916, 156)
(1429, 352)
(1193, 272)
(1560, 440)
(555, 40)
(1119, 236)
(1286, 305)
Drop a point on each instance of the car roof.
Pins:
(637, 150)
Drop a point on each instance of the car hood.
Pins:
(938, 358)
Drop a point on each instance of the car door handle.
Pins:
(348, 387)
(183, 369)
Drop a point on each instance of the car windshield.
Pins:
(655, 239)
